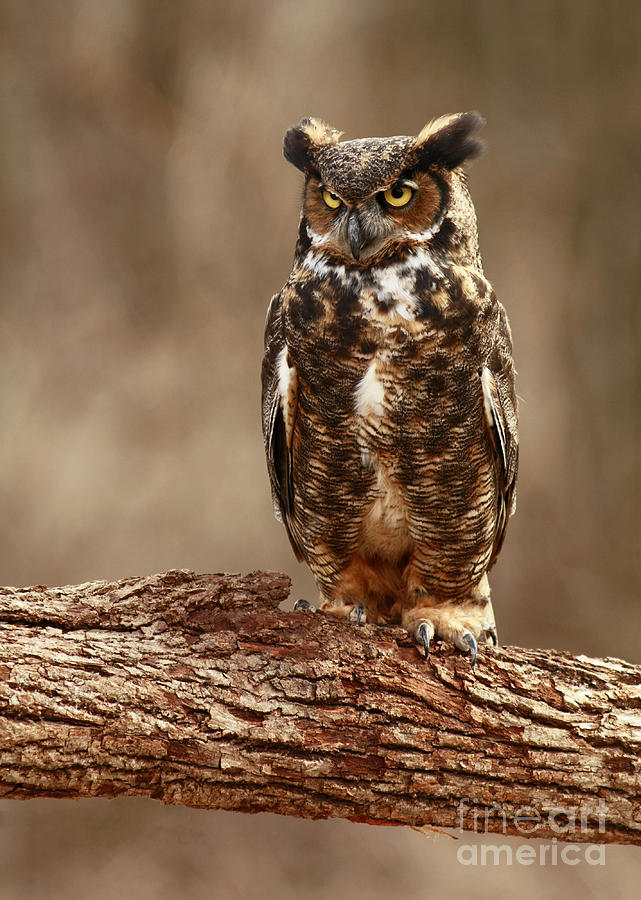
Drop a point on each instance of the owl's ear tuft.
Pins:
(450, 141)
(303, 141)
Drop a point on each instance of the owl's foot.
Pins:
(464, 624)
(347, 609)
(464, 640)
(355, 613)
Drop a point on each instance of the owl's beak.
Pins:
(355, 234)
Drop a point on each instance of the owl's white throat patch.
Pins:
(394, 291)
(384, 289)
(321, 267)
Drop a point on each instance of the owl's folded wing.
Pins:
(280, 406)
(500, 417)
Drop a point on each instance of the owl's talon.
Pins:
(470, 640)
(423, 633)
(358, 615)
(303, 604)
(491, 630)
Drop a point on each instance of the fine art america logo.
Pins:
(561, 821)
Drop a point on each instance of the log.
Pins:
(198, 690)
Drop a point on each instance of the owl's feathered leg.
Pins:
(365, 591)
(463, 622)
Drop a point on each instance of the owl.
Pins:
(389, 410)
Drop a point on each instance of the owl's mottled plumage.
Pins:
(389, 410)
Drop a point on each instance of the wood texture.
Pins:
(196, 689)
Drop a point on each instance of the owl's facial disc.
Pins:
(361, 229)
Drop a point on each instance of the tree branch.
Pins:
(196, 689)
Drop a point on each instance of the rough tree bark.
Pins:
(196, 689)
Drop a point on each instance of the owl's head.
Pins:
(371, 199)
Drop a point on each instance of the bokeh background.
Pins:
(146, 217)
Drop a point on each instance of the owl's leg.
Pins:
(364, 592)
(463, 622)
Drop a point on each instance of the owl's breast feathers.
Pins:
(389, 415)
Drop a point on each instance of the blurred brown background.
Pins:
(147, 215)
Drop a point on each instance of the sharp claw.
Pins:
(357, 614)
(470, 640)
(491, 630)
(303, 604)
(424, 635)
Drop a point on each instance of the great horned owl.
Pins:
(389, 411)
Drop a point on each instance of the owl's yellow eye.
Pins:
(397, 196)
(330, 199)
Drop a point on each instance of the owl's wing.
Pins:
(280, 407)
(500, 417)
